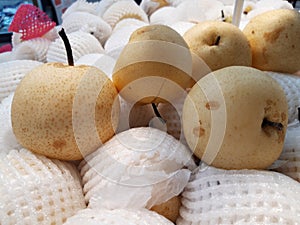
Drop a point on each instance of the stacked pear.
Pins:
(154, 66)
(236, 118)
(64, 111)
(274, 39)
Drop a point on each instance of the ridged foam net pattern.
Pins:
(291, 86)
(12, 73)
(215, 196)
(31, 22)
(81, 43)
(37, 190)
(136, 168)
(8, 140)
(117, 216)
(122, 10)
(291, 153)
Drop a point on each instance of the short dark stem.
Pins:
(222, 16)
(299, 114)
(217, 40)
(65, 39)
(276, 125)
(154, 106)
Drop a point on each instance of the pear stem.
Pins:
(299, 114)
(222, 15)
(276, 125)
(154, 106)
(65, 39)
(217, 42)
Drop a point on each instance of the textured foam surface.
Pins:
(123, 9)
(81, 43)
(37, 190)
(117, 217)
(12, 73)
(291, 86)
(140, 167)
(215, 196)
(8, 140)
(33, 49)
(291, 153)
(31, 22)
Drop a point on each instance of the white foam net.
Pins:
(12, 73)
(37, 190)
(140, 167)
(290, 155)
(8, 140)
(117, 216)
(216, 196)
(291, 86)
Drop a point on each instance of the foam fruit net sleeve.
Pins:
(215, 196)
(291, 87)
(37, 190)
(31, 22)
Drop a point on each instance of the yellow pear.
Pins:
(64, 112)
(274, 38)
(219, 44)
(154, 66)
(236, 118)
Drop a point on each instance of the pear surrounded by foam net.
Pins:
(37, 190)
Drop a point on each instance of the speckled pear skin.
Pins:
(232, 49)
(43, 110)
(274, 39)
(245, 98)
(125, 77)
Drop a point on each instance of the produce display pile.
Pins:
(167, 112)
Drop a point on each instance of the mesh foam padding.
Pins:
(122, 10)
(8, 140)
(102, 61)
(33, 49)
(89, 23)
(216, 196)
(139, 167)
(37, 190)
(81, 43)
(31, 22)
(291, 86)
(291, 153)
(117, 41)
(12, 73)
(81, 6)
(117, 217)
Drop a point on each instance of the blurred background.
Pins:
(54, 9)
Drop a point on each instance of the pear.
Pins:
(154, 66)
(274, 38)
(219, 44)
(169, 209)
(63, 111)
(236, 118)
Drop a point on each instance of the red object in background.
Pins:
(5, 48)
(31, 22)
